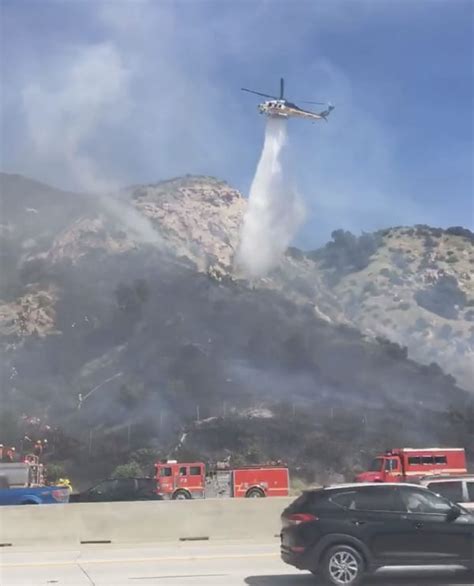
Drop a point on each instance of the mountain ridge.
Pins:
(157, 337)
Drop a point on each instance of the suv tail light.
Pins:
(299, 519)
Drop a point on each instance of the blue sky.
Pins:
(99, 94)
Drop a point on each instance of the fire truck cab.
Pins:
(180, 480)
(184, 480)
(407, 464)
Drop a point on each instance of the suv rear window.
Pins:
(368, 499)
(306, 502)
(450, 490)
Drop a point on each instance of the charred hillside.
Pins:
(130, 350)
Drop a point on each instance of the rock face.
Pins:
(88, 236)
(31, 314)
(154, 333)
(199, 217)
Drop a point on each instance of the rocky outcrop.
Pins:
(199, 217)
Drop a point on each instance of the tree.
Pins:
(349, 252)
(130, 470)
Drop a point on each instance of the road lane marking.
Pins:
(140, 560)
(167, 577)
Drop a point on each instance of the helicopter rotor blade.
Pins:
(317, 103)
(282, 88)
(244, 89)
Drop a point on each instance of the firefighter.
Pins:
(1, 452)
(38, 449)
(65, 482)
(10, 455)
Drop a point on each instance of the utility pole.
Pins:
(197, 413)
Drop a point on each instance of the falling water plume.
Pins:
(274, 210)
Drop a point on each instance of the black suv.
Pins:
(119, 489)
(341, 533)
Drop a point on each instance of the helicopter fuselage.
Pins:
(279, 107)
(284, 109)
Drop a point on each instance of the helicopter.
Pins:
(279, 107)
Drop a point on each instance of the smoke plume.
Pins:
(65, 112)
(274, 210)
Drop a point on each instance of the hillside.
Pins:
(413, 286)
(129, 347)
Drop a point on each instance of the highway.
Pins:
(184, 564)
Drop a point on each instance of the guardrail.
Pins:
(142, 522)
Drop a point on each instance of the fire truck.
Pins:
(22, 483)
(409, 464)
(187, 480)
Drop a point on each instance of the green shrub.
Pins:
(129, 470)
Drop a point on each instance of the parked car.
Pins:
(458, 489)
(119, 489)
(342, 533)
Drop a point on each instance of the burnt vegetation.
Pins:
(191, 349)
(445, 298)
(346, 252)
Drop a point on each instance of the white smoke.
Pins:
(64, 112)
(274, 210)
(137, 225)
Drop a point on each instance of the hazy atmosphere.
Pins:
(236, 262)
(104, 94)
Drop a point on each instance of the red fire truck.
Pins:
(407, 464)
(186, 480)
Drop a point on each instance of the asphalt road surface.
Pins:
(185, 564)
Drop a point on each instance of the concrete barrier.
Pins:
(142, 522)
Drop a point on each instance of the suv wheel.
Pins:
(342, 565)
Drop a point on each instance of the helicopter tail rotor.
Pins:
(282, 88)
